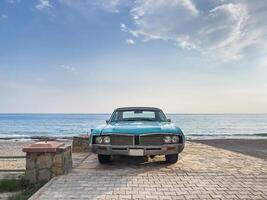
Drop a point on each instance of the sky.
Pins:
(91, 56)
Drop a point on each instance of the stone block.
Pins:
(44, 175)
(42, 166)
(44, 161)
(57, 171)
(31, 175)
(80, 143)
(30, 163)
(58, 159)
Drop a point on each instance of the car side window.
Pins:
(115, 116)
(161, 117)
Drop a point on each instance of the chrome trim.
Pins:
(158, 134)
(141, 134)
(109, 134)
(148, 150)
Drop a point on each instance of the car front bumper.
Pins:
(143, 150)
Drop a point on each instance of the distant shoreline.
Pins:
(264, 113)
(188, 137)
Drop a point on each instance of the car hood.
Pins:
(136, 128)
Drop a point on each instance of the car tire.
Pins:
(103, 159)
(173, 158)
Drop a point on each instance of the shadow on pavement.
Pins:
(126, 163)
(138, 161)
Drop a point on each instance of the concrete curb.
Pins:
(37, 194)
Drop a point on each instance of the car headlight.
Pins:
(175, 139)
(106, 140)
(98, 140)
(167, 139)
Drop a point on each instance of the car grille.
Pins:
(121, 140)
(142, 140)
(151, 140)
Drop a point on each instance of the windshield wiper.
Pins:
(128, 120)
(147, 119)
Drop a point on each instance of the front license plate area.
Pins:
(136, 152)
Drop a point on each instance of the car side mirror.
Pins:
(107, 121)
(169, 120)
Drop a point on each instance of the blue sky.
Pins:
(185, 56)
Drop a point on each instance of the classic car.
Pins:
(137, 131)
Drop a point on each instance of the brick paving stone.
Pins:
(209, 173)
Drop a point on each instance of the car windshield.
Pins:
(138, 115)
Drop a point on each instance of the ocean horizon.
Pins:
(194, 126)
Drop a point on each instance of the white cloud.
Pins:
(43, 4)
(110, 5)
(224, 30)
(130, 41)
(68, 68)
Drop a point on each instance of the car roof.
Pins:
(137, 108)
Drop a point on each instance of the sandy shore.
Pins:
(14, 147)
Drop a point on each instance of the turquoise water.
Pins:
(193, 125)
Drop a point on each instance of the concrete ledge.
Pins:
(44, 146)
(37, 194)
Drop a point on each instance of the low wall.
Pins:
(42, 165)
(80, 144)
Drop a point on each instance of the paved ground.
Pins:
(203, 172)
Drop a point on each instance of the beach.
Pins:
(14, 147)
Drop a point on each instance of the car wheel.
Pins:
(103, 159)
(171, 158)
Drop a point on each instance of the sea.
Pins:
(194, 126)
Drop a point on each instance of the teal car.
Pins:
(137, 131)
